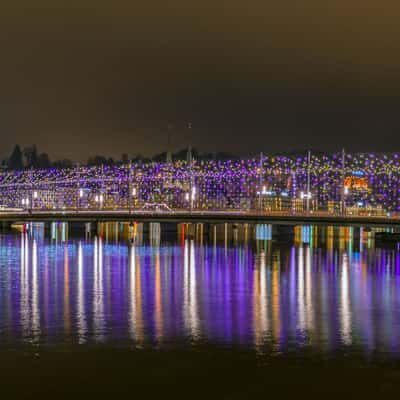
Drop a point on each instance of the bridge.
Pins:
(335, 189)
(283, 218)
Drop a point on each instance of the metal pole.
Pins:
(31, 191)
(78, 194)
(260, 183)
(342, 207)
(190, 170)
(308, 181)
(293, 188)
(169, 152)
(101, 197)
(190, 179)
(129, 189)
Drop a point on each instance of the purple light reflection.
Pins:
(278, 298)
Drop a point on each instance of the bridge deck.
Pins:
(194, 216)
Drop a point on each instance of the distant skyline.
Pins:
(80, 78)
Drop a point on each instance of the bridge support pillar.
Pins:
(5, 226)
(90, 229)
(212, 230)
(199, 232)
(155, 233)
(356, 238)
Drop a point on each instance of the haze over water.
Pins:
(331, 297)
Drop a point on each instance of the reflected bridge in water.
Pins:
(326, 289)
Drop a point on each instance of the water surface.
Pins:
(266, 296)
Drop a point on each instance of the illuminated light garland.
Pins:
(218, 185)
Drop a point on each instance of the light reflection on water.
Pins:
(266, 296)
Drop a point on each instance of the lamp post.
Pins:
(129, 188)
(260, 183)
(342, 194)
(308, 181)
(190, 165)
(192, 197)
(190, 179)
(79, 197)
(293, 188)
(30, 198)
(78, 191)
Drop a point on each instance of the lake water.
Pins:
(328, 297)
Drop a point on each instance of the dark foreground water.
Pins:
(177, 305)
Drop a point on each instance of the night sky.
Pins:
(80, 78)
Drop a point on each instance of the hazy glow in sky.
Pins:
(79, 78)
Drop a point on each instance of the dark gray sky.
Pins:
(84, 77)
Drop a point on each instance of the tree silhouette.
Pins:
(65, 163)
(43, 161)
(15, 161)
(31, 156)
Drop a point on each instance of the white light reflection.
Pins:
(135, 303)
(98, 304)
(189, 286)
(35, 295)
(132, 290)
(67, 310)
(309, 300)
(345, 309)
(260, 302)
